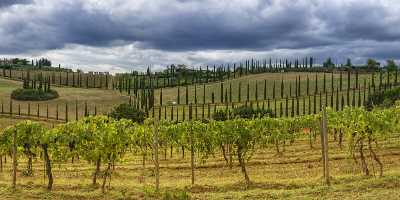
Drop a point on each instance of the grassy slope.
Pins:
(104, 99)
(170, 94)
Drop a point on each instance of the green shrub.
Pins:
(220, 115)
(383, 98)
(127, 111)
(245, 112)
(33, 94)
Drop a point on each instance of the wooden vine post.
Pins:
(14, 156)
(324, 144)
(191, 144)
(155, 147)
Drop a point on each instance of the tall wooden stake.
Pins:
(14, 179)
(324, 143)
(156, 163)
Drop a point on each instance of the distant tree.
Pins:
(372, 64)
(391, 65)
(348, 63)
(328, 63)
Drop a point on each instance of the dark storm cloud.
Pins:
(325, 26)
(5, 3)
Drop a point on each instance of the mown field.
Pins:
(295, 174)
(289, 80)
(103, 100)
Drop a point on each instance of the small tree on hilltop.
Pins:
(372, 64)
(391, 65)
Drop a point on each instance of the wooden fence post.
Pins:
(156, 163)
(324, 144)
(191, 144)
(14, 156)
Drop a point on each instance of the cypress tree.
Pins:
(240, 92)
(337, 99)
(359, 97)
(230, 92)
(161, 97)
(299, 87)
(226, 97)
(324, 82)
(204, 93)
(179, 96)
(265, 89)
(292, 108)
(315, 103)
(256, 92)
(273, 90)
(222, 92)
(286, 107)
(356, 79)
(373, 80)
(67, 81)
(316, 85)
(195, 94)
(308, 86)
(348, 80)
(234, 70)
(248, 92)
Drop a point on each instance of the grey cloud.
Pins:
(6, 3)
(167, 29)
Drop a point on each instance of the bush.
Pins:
(127, 111)
(246, 112)
(220, 115)
(383, 98)
(33, 94)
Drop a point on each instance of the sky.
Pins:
(124, 35)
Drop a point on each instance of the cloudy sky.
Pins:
(120, 35)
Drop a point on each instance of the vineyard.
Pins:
(106, 144)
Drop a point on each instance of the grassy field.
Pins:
(294, 175)
(104, 100)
